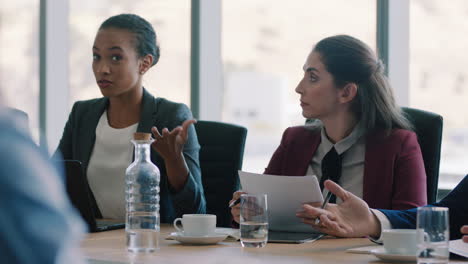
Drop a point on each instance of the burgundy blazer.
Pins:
(394, 174)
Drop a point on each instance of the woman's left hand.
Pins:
(169, 144)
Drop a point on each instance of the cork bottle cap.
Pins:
(141, 136)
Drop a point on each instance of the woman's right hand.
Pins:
(235, 210)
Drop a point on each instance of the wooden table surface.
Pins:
(110, 246)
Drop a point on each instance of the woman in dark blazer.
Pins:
(359, 138)
(124, 50)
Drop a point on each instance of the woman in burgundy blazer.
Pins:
(394, 174)
(344, 86)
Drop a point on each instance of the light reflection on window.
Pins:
(265, 44)
(438, 77)
(19, 58)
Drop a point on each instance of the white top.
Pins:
(112, 154)
(353, 148)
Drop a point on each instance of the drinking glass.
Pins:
(433, 235)
(253, 220)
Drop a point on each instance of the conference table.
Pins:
(109, 247)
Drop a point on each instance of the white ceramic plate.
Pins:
(203, 240)
(383, 255)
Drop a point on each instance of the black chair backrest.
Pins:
(221, 155)
(428, 127)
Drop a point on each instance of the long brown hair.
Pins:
(350, 60)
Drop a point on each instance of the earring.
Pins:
(141, 72)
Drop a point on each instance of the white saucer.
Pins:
(383, 255)
(199, 240)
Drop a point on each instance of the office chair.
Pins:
(428, 127)
(221, 155)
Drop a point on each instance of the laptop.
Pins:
(78, 192)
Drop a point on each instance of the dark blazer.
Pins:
(79, 136)
(394, 174)
(456, 201)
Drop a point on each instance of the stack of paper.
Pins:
(459, 247)
(285, 196)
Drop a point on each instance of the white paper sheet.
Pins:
(285, 196)
(459, 247)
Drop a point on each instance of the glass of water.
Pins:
(253, 220)
(433, 235)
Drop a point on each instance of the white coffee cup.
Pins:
(400, 241)
(196, 224)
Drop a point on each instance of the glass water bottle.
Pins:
(142, 198)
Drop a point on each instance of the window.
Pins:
(170, 78)
(438, 77)
(265, 44)
(19, 58)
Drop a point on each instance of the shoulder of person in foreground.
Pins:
(39, 225)
(457, 197)
(457, 203)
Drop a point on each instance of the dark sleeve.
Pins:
(410, 176)
(405, 219)
(65, 147)
(277, 160)
(191, 199)
(456, 201)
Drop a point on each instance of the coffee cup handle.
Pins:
(176, 226)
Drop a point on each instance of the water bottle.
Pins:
(142, 178)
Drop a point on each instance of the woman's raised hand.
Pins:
(169, 144)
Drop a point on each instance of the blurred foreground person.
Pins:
(38, 223)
